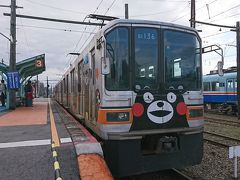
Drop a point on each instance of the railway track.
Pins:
(220, 140)
(223, 121)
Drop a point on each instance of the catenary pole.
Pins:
(238, 66)
(193, 14)
(12, 61)
(126, 11)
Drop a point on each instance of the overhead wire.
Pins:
(24, 34)
(187, 14)
(96, 27)
(57, 29)
(54, 7)
(151, 14)
(222, 12)
(228, 46)
(215, 34)
(96, 9)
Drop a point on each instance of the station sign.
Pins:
(13, 80)
(39, 63)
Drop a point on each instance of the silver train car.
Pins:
(137, 86)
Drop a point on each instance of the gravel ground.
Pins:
(216, 163)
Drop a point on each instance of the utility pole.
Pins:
(238, 66)
(12, 63)
(126, 11)
(193, 14)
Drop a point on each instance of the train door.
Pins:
(92, 105)
(80, 94)
(230, 90)
(235, 91)
(61, 91)
(86, 88)
(73, 99)
(67, 92)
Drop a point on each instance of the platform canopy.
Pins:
(3, 68)
(27, 68)
(31, 67)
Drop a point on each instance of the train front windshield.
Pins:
(182, 61)
(172, 61)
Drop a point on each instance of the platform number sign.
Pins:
(39, 63)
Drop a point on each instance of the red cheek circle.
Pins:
(181, 108)
(137, 109)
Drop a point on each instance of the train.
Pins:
(220, 92)
(138, 87)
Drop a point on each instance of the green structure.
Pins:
(27, 69)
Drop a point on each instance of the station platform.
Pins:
(45, 142)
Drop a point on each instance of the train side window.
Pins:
(64, 85)
(67, 80)
(230, 85)
(206, 86)
(235, 85)
(221, 84)
(79, 77)
(215, 86)
(72, 80)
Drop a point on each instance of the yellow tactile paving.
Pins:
(26, 115)
(54, 133)
(93, 167)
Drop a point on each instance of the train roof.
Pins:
(131, 21)
(146, 22)
(216, 77)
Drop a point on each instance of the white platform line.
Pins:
(31, 143)
(66, 140)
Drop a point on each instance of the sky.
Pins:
(56, 40)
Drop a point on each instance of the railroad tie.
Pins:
(56, 163)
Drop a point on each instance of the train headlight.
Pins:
(193, 113)
(117, 116)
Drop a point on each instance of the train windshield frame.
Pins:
(160, 58)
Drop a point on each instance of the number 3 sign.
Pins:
(38, 63)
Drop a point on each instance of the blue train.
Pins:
(219, 92)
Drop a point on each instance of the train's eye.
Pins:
(148, 97)
(171, 97)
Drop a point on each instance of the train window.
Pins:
(146, 57)
(221, 84)
(206, 86)
(217, 86)
(67, 83)
(93, 66)
(214, 85)
(79, 77)
(117, 50)
(72, 80)
(64, 85)
(182, 60)
(230, 85)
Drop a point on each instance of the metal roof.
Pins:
(28, 67)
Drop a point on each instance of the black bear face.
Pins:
(151, 112)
